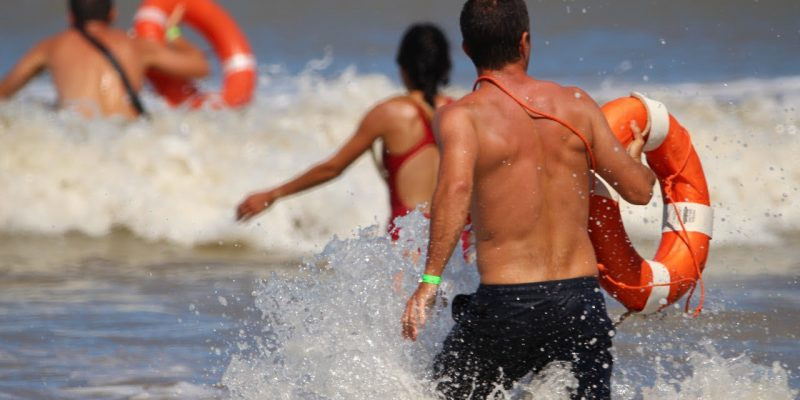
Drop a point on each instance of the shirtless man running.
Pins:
(84, 79)
(525, 179)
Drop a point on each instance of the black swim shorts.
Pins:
(503, 332)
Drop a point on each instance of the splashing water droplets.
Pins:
(320, 321)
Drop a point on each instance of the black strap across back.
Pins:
(136, 102)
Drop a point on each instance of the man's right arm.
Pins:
(179, 58)
(621, 168)
(28, 66)
(458, 148)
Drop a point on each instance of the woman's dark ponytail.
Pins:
(430, 90)
(424, 55)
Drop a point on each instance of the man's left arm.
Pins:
(458, 149)
(27, 67)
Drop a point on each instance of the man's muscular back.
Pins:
(532, 179)
(85, 79)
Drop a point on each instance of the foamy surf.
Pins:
(333, 332)
(178, 177)
(716, 377)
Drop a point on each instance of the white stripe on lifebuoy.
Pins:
(239, 62)
(658, 294)
(696, 218)
(151, 14)
(657, 120)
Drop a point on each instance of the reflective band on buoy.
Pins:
(151, 14)
(657, 122)
(695, 217)
(658, 296)
(642, 285)
(239, 62)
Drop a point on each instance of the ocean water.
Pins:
(124, 276)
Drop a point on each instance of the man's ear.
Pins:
(112, 15)
(525, 45)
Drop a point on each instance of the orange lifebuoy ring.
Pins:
(642, 285)
(228, 41)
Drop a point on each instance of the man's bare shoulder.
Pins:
(571, 98)
(580, 96)
(111, 37)
(464, 107)
(49, 42)
(459, 109)
(558, 91)
(456, 118)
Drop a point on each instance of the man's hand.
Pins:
(417, 309)
(637, 144)
(254, 204)
(176, 16)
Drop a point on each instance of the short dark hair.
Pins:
(424, 55)
(492, 30)
(90, 10)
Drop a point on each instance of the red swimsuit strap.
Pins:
(540, 113)
(394, 162)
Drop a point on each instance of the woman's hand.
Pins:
(255, 204)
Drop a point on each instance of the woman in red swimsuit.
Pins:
(403, 123)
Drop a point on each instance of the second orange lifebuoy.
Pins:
(228, 41)
(644, 285)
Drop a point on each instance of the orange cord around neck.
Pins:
(532, 110)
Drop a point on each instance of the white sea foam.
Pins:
(333, 332)
(715, 377)
(179, 177)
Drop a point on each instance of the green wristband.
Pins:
(432, 279)
(173, 33)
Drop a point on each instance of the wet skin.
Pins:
(525, 181)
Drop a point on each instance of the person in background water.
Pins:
(518, 153)
(86, 79)
(403, 123)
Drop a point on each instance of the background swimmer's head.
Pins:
(424, 57)
(496, 32)
(84, 11)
